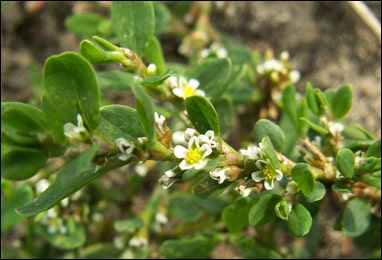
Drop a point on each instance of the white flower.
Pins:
(184, 89)
(138, 242)
(243, 190)
(194, 156)
(161, 218)
(151, 69)
(125, 147)
(219, 175)
(253, 151)
(335, 128)
(74, 132)
(190, 132)
(167, 179)
(208, 138)
(159, 121)
(267, 173)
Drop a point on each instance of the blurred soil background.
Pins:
(328, 43)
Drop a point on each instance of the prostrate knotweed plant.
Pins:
(290, 151)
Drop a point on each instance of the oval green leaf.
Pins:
(303, 176)
(345, 160)
(265, 127)
(342, 102)
(299, 221)
(133, 23)
(202, 114)
(263, 210)
(71, 88)
(235, 217)
(355, 218)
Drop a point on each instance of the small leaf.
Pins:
(374, 149)
(235, 217)
(202, 114)
(133, 23)
(97, 55)
(312, 101)
(32, 160)
(270, 151)
(196, 247)
(212, 74)
(342, 102)
(264, 210)
(299, 221)
(355, 218)
(317, 194)
(226, 113)
(119, 121)
(71, 88)
(345, 162)
(208, 188)
(303, 176)
(290, 104)
(265, 127)
(145, 110)
(322, 131)
(85, 24)
(129, 225)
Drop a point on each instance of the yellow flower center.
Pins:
(268, 173)
(193, 155)
(188, 91)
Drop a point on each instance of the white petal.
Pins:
(278, 175)
(268, 185)
(257, 176)
(180, 151)
(184, 165)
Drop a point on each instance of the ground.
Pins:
(327, 41)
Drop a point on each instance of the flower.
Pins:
(208, 138)
(243, 190)
(219, 174)
(159, 121)
(183, 88)
(168, 179)
(74, 132)
(253, 152)
(138, 242)
(125, 147)
(194, 156)
(267, 173)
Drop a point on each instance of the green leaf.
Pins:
(145, 110)
(119, 121)
(265, 127)
(226, 113)
(345, 162)
(299, 221)
(196, 247)
(115, 80)
(373, 150)
(154, 81)
(235, 216)
(342, 102)
(290, 104)
(11, 157)
(85, 24)
(212, 74)
(73, 238)
(322, 131)
(208, 188)
(154, 54)
(303, 176)
(72, 177)
(312, 101)
(317, 194)
(270, 151)
(133, 23)
(202, 114)
(373, 180)
(97, 55)
(21, 123)
(19, 195)
(71, 88)
(263, 210)
(355, 218)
